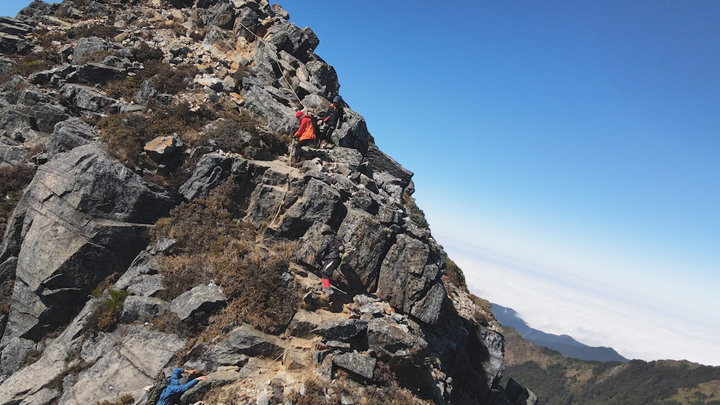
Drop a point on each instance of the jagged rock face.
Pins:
(124, 361)
(83, 218)
(86, 216)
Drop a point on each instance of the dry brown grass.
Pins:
(36, 61)
(124, 399)
(213, 246)
(455, 274)
(127, 134)
(385, 392)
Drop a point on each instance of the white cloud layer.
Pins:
(596, 314)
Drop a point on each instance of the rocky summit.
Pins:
(152, 219)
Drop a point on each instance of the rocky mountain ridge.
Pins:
(164, 226)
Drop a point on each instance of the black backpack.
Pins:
(153, 396)
(316, 128)
(339, 245)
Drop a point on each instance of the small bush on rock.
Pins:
(36, 61)
(107, 315)
(97, 30)
(125, 399)
(125, 134)
(145, 52)
(46, 37)
(227, 134)
(173, 80)
(125, 88)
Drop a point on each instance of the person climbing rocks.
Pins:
(305, 136)
(328, 257)
(171, 394)
(333, 119)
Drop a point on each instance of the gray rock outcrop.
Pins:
(83, 218)
(198, 303)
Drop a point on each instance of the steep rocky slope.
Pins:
(164, 226)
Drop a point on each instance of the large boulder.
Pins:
(210, 171)
(30, 383)
(352, 132)
(388, 173)
(35, 11)
(82, 218)
(98, 73)
(393, 340)
(13, 35)
(305, 322)
(68, 135)
(319, 203)
(142, 278)
(142, 308)
(241, 343)
(409, 278)
(293, 40)
(14, 27)
(199, 303)
(359, 364)
(85, 98)
(343, 330)
(122, 362)
(518, 394)
(90, 49)
(12, 154)
(6, 66)
(366, 241)
(47, 115)
(401, 272)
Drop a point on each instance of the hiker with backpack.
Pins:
(333, 119)
(328, 257)
(175, 387)
(305, 135)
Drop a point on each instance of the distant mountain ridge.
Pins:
(558, 380)
(564, 344)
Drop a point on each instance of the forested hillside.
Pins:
(557, 380)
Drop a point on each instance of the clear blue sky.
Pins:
(566, 153)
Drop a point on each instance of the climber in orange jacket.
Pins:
(305, 135)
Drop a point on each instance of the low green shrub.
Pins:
(106, 316)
